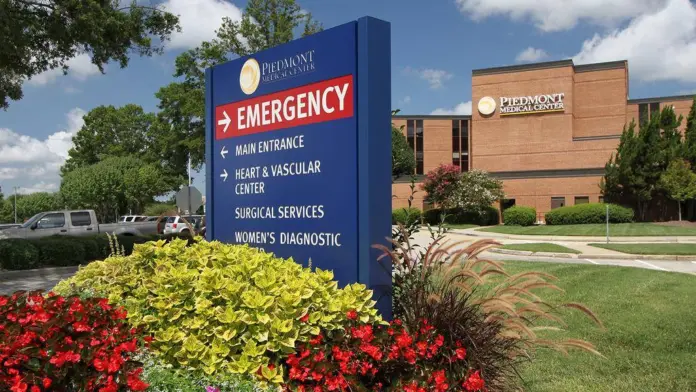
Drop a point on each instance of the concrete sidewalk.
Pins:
(586, 239)
(586, 251)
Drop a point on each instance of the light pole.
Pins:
(15, 203)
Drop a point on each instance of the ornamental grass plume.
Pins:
(470, 299)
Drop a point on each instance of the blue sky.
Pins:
(435, 45)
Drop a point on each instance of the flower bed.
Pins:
(58, 343)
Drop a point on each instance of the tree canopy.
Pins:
(679, 182)
(635, 175)
(42, 35)
(28, 206)
(126, 131)
(113, 185)
(403, 158)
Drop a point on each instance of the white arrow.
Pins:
(224, 175)
(223, 152)
(225, 121)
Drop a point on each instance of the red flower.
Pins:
(404, 340)
(81, 327)
(474, 382)
(104, 304)
(316, 340)
(352, 315)
(440, 381)
(34, 388)
(363, 333)
(410, 355)
(3, 300)
(148, 339)
(461, 353)
(46, 382)
(135, 383)
(422, 347)
(304, 318)
(372, 351)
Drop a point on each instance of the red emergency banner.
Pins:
(314, 103)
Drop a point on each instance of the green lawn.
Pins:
(651, 249)
(460, 226)
(617, 230)
(540, 247)
(650, 336)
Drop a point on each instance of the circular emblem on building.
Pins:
(250, 76)
(486, 106)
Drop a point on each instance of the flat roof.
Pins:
(433, 116)
(687, 97)
(550, 64)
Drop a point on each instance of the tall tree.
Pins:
(126, 131)
(690, 136)
(43, 35)
(679, 182)
(403, 158)
(264, 24)
(29, 205)
(113, 186)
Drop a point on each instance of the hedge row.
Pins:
(460, 216)
(406, 216)
(62, 251)
(588, 213)
(519, 216)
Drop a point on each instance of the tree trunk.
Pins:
(679, 204)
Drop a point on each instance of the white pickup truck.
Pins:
(74, 223)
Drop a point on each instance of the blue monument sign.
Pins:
(299, 152)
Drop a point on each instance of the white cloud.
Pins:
(198, 20)
(658, 46)
(24, 157)
(42, 186)
(81, 68)
(434, 77)
(691, 91)
(71, 90)
(531, 55)
(463, 108)
(405, 100)
(556, 15)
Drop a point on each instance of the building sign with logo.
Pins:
(545, 103)
(298, 152)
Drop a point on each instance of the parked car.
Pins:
(133, 218)
(74, 223)
(160, 224)
(9, 225)
(183, 225)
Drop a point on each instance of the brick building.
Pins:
(545, 129)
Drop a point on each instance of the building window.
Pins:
(460, 144)
(80, 218)
(601, 199)
(654, 107)
(507, 203)
(643, 114)
(557, 202)
(582, 199)
(411, 133)
(645, 111)
(419, 146)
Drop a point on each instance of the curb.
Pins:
(474, 233)
(593, 256)
(41, 272)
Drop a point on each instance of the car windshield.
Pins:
(31, 220)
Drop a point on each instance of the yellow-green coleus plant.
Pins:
(221, 308)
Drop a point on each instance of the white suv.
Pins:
(177, 225)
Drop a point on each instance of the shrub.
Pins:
(377, 357)
(519, 216)
(474, 301)
(459, 216)
(18, 254)
(65, 344)
(91, 246)
(406, 216)
(440, 184)
(59, 251)
(588, 213)
(222, 308)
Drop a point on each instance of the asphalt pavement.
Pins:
(11, 281)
